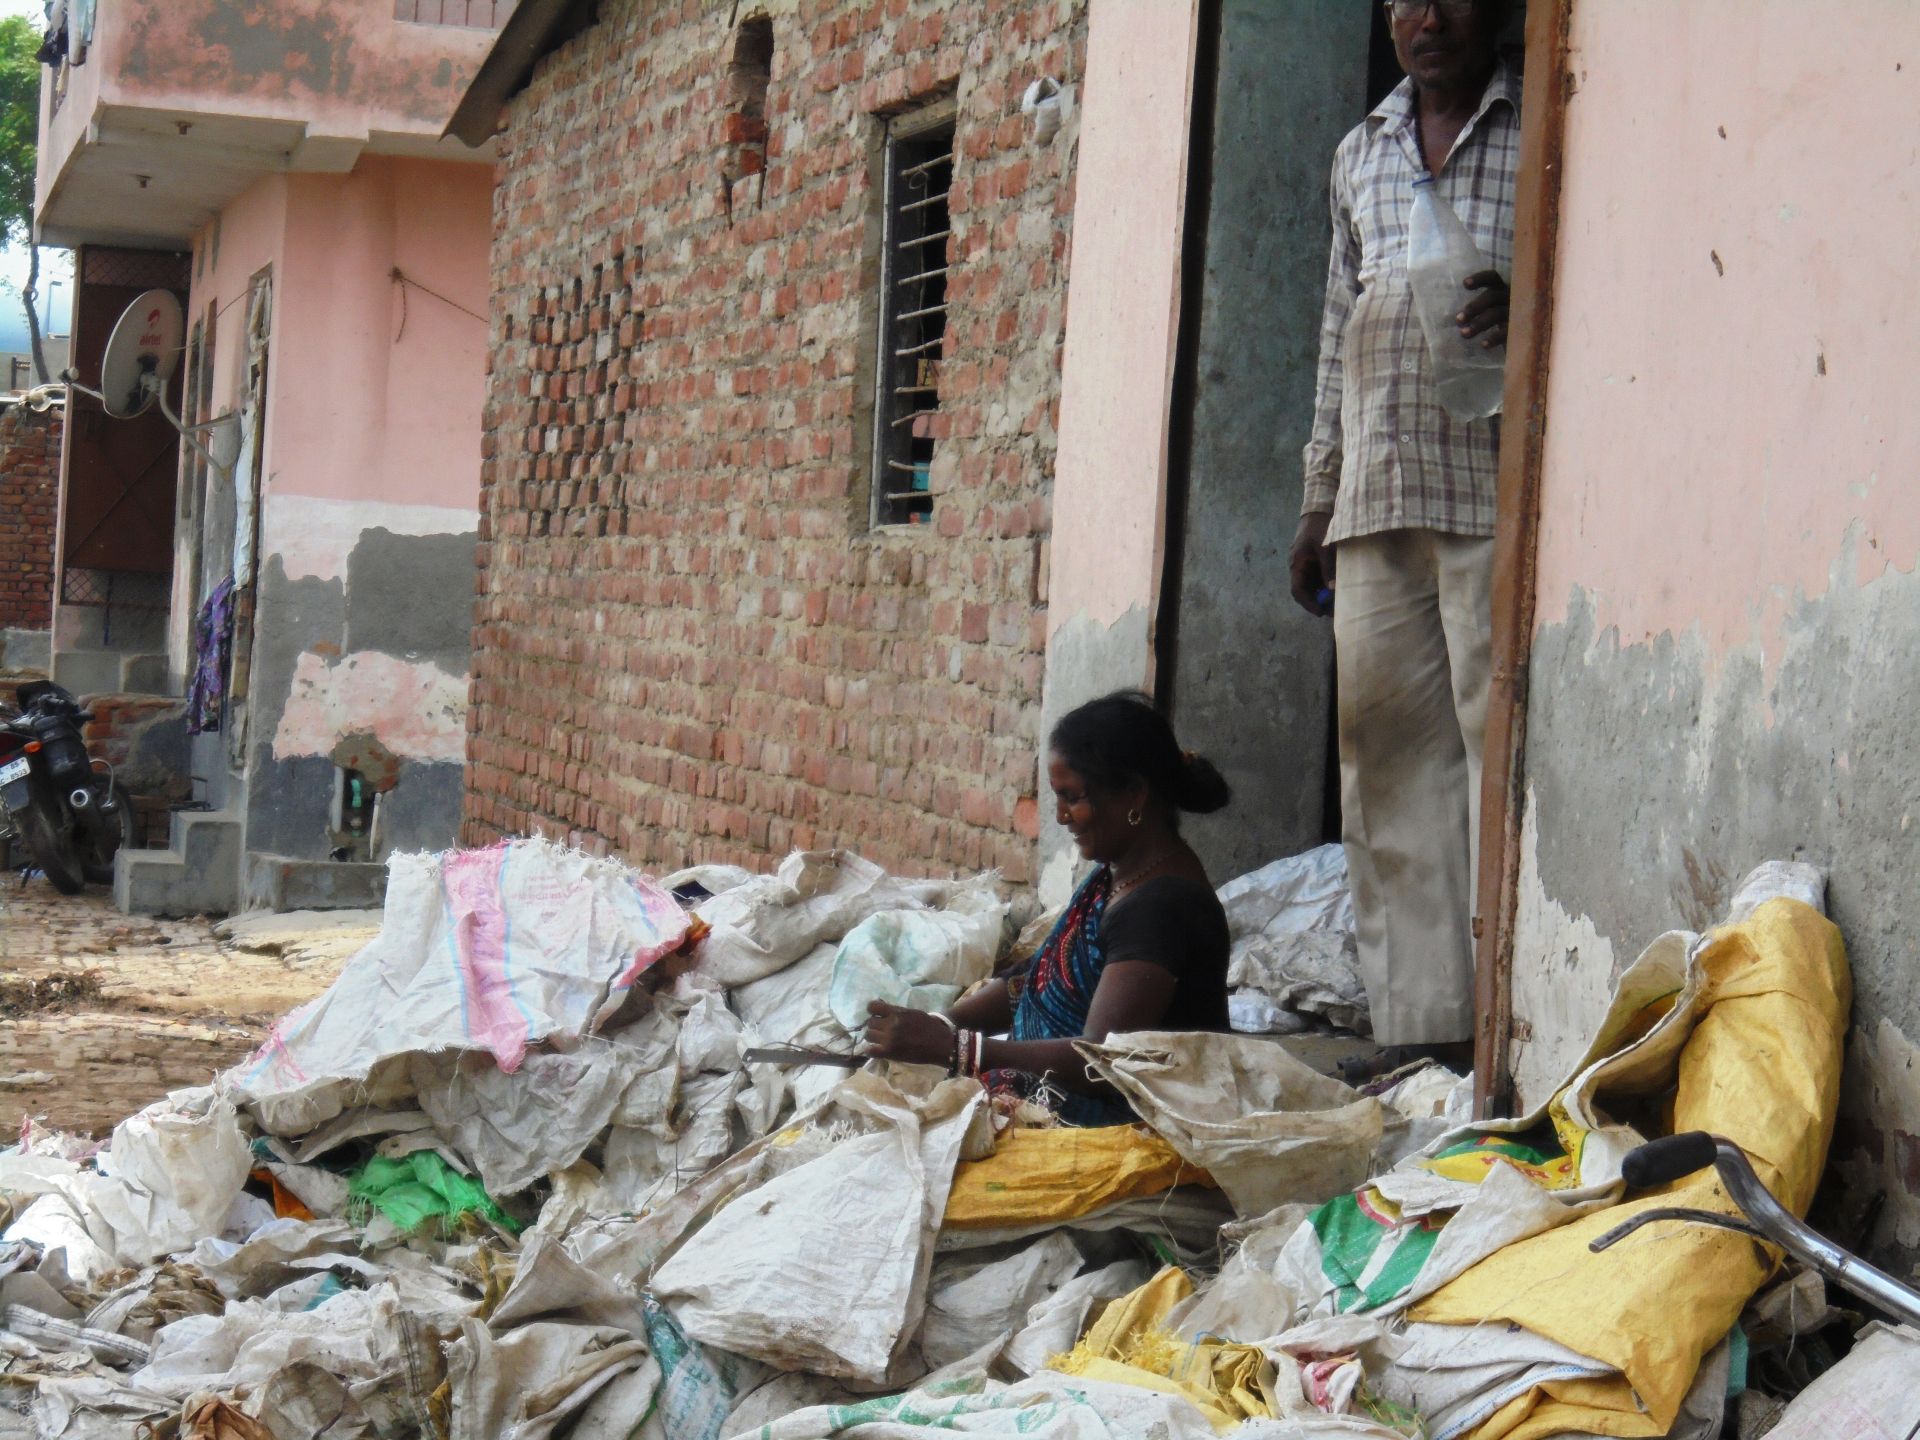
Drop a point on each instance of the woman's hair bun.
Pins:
(1202, 788)
(1122, 737)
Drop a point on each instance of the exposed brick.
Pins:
(29, 493)
(687, 644)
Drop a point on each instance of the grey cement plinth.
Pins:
(25, 649)
(279, 882)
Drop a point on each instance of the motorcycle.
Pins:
(67, 807)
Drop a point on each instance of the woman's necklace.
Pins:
(1145, 872)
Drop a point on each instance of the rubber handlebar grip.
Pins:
(1668, 1158)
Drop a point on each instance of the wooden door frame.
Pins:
(1549, 83)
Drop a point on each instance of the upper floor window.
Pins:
(916, 224)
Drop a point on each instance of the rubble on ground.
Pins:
(510, 1177)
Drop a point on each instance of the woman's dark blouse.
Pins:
(1178, 924)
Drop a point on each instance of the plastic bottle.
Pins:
(1440, 256)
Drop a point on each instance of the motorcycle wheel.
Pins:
(53, 854)
(105, 833)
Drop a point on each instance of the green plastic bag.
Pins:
(419, 1188)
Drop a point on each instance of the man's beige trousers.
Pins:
(1412, 629)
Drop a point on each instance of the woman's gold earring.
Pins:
(1134, 817)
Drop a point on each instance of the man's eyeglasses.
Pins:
(1417, 9)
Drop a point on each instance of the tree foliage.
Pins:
(19, 124)
(19, 143)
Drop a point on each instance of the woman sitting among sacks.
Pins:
(1142, 946)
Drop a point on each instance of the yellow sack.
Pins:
(1130, 1345)
(1762, 1068)
(1035, 1176)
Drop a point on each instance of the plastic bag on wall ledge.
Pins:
(1268, 1129)
(918, 958)
(764, 925)
(1292, 928)
(1290, 896)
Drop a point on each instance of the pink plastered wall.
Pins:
(374, 388)
(339, 68)
(1731, 417)
(380, 398)
(1122, 313)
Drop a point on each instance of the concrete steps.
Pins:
(197, 874)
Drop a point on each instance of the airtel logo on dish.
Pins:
(152, 336)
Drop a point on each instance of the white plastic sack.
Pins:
(1870, 1395)
(1291, 896)
(168, 1177)
(1047, 1406)
(764, 925)
(918, 958)
(356, 1334)
(489, 950)
(824, 1268)
(54, 1222)
(1254, 1012)
(1292, 929)
(972, 1303)
(1267, 1128)
(533, 1380)
(1316, 973)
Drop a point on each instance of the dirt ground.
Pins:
(103, 1013)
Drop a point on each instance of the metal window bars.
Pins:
(913, 317)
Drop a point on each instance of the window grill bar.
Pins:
(939, 309)
(912, 205)
(913, 415)
(907, 465)
(923, 275)
(920, 349)
(916, 389)
(926, 165)
(925, 495)
(923, 240)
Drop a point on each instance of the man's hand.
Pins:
(1310, 563)
(1485, 316)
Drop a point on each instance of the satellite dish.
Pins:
(141, 354)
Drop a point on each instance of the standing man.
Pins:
(1399, 515)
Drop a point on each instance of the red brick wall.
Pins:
(688, 642)
(29, 493)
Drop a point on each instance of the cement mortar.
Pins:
(1659, 775)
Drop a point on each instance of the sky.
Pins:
(55, 300)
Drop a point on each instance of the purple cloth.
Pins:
(213, 655)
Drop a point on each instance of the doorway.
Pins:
(1246, 675)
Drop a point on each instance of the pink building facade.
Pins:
(330, 252)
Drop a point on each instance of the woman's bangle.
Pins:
(953, 1026)
(979, 1051)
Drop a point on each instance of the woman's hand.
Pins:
(913, 1036)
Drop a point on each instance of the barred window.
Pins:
(916, 223)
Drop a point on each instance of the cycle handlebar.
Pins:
(1668, 1158)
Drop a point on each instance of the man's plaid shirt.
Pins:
(1384, 454)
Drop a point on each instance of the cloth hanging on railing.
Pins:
(213, 654)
